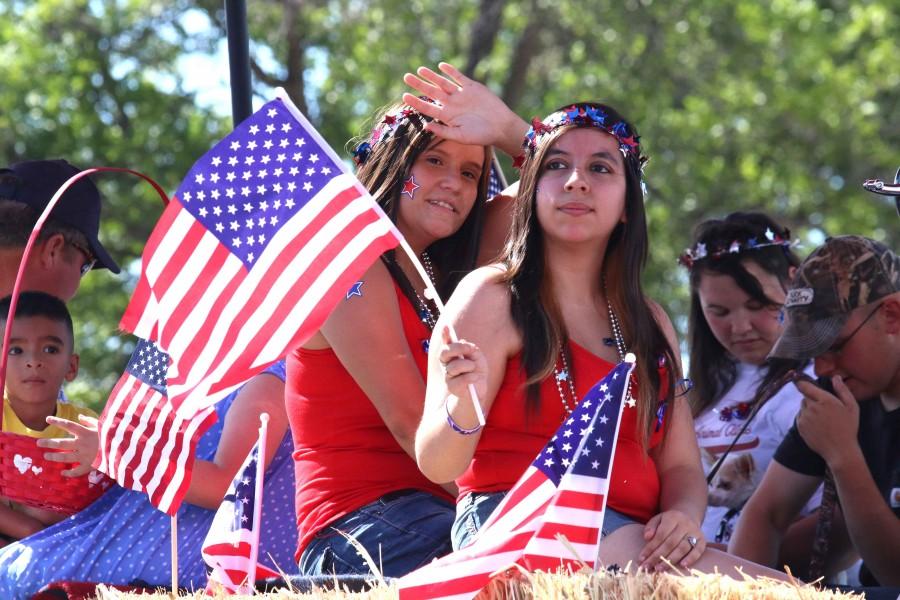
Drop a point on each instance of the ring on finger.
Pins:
(692, 540)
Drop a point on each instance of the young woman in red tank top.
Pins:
(534, 326)
(355, 391)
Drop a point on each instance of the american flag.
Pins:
(265, 235)
(562, 493)
(497, 182)
(230, 546)
(143, 441)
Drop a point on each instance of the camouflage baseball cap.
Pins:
(842, 274)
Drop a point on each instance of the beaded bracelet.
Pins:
(455, 426)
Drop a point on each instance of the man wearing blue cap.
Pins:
(68, 246)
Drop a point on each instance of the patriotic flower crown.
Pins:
(584, 115)
(699, 251)
(385, 129)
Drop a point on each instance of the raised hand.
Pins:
(82, 448)
(469, 112)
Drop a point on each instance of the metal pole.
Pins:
(238, 59)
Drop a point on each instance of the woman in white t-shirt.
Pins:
(740, 267)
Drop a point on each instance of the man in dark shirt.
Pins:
(68, 246)
(843, 310)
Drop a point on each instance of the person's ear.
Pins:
(50, 251)
(890, 310)
(792, 270)
(73, 367)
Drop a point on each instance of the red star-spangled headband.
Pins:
(390, 123)
(584, 115)
(699, 251)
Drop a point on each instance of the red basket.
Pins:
(28, 478)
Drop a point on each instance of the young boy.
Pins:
(41, 357)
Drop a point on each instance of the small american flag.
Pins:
(562, 493)
(138, 416)
(231, 546)
(265, 235)
(497, 182)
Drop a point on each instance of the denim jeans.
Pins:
(475, 508)
(401, 531)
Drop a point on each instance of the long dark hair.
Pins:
(713, 370)
(386, 167)
(534, 310)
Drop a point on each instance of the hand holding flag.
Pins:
(562, 493)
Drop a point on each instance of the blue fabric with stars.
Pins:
(121, 538)
(263, 174)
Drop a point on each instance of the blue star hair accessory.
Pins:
(583, 115)
(392, 120)
(700, 251)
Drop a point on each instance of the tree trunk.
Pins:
(527, 48)
(484, 33)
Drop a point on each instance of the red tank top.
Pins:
(345, 456)
(513, 436)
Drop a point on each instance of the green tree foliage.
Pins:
(94, 82)
(777, 105)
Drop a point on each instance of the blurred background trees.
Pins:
(784, 106)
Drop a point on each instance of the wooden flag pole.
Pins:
(257, 505)
(431, 294)
(174, 532)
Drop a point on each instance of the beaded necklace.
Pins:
(425, 313)
(565, 374)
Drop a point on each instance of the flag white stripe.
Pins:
(515, 516)
(165, 250)
(184, 285)
(139, 408)
(229, 537)
(153, 441)
(585, 483)
(113, 405)
(172, 484)
(555, 549)
(205, 298)
(571, 516)
(463, 568)
(147, 320)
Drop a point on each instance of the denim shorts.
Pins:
(401, 531)
(475, 508)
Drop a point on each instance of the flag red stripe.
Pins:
(583, 500)
(574, 533)
(153, 405)
(143, 399)
(112, 412)
(206, 275)
(460, 585)
(522, 490)
(536, 562)
(139, 300)
(169, 479)
(173, 268)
